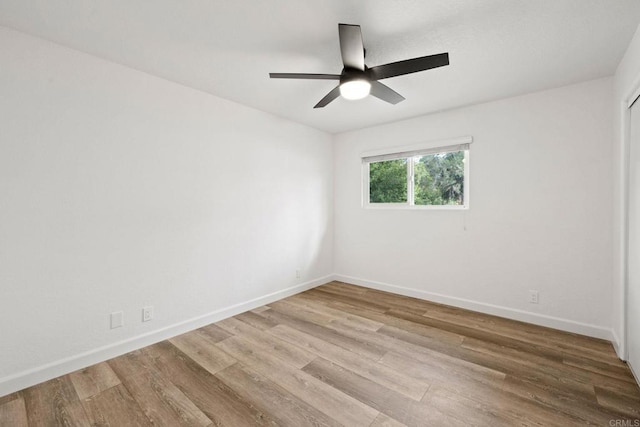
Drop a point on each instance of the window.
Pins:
(419, 176)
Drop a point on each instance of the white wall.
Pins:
(626, 81)
(119, 190)
(540, 215)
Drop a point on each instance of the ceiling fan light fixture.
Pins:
(355, 89)
(356, 79)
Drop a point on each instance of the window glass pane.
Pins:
(388, 181)
(439, 179)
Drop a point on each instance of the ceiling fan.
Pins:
(357, 80)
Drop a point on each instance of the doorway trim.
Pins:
(623, 216)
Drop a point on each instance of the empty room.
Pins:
(319, 213)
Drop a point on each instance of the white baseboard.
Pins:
(496, 310)
(636, 377)
(55, 369)
(617, 345)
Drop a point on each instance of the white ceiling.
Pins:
(497, 48)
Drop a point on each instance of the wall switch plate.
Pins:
(147, 313)
(117, 319)
(533, 297)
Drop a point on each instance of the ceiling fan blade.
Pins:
(329, 97)
(351, 46)
(385, 93)
(304, 76)
(408, 66)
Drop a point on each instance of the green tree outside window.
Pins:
(438, 179)
(388, 181)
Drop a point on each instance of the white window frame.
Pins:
(409, 153)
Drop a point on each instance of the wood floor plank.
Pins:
(296, 319)
(441, 340)
(201, 348)
(509, 327)
(442, 364)
(627, 392)
(353, 301)
(133, 363)
(319, 317)
(521, 357)
(499, 325)
(160, 400)
(220, 403)
(540, 339)
(93, 379)
(255, 320)
(385, 400)
(621, 373)
(549, 371)
(54, 403)
(302, 300)
(383, 420)
(619, 403)
(114, 407)
(215, 333)
(483, 335)
(381, 298)
(401, 301)
(9, 397)
(504, 409)
(356, 321)
(558, 400)
(562, 342)
(268, 397)
(437, 373)
(13, 413)
(496, 362)
(467, 410)
(344, 288)
(332, 402)
(294, 355)
(395, 380)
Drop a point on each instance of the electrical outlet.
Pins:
(117, 319)
(297, 274)
(533, 297)
(147, 313)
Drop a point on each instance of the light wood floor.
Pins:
(345, 355)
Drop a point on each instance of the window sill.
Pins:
(386, 206)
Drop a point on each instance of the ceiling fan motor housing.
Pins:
(351, 74)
